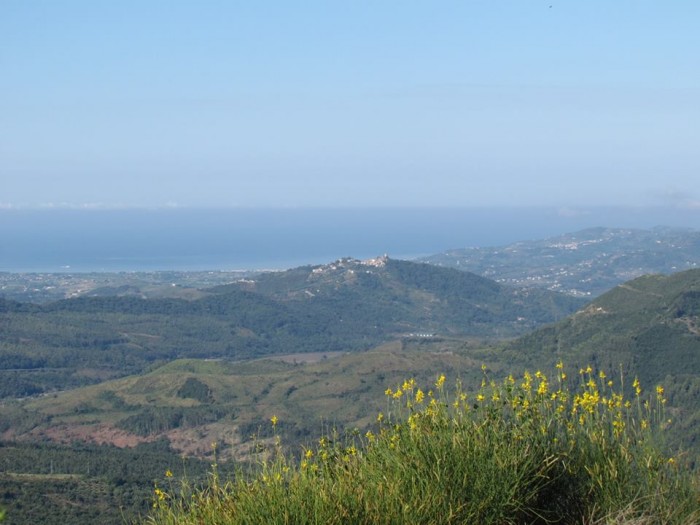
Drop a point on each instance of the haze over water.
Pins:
(141, 240)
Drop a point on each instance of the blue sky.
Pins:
(341, 104)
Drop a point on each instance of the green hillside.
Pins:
(346, 306)
(405, 296)
(194, 402)
(648, 327)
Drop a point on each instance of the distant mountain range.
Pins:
(584, 264)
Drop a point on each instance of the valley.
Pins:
(150, 375)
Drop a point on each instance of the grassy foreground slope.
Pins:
(531, 450)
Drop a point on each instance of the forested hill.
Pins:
(412, 296)
(347, 305)
(648, 327)
(652, 321)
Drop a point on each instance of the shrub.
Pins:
(531, 450)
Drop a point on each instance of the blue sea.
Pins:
(237, 239)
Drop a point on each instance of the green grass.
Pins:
(532, 450)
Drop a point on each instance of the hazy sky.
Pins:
(355, 103)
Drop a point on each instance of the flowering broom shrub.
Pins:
(526, 450)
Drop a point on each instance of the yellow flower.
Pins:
(309, 454)
(388, 392)
(637, 387)
(380, 417)
(659, 391)
(560, 365)
(419, 396)
(618, 426)
(409, 385)
(602, 375)
(168, 473)
(440, 381)
(274, 420)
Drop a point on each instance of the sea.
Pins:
(130, 240)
